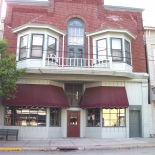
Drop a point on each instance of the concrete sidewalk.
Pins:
(75, 143)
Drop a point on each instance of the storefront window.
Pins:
(55, 117)
(25, 116)
(93, 117)
(113, 117)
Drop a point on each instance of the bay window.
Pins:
(37, 45)
(23, 47)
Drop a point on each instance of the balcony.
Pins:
(53, 64)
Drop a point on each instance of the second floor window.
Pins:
(127, 52)
(51, 46)
(23, 47)
(116, 49)
(101, 49)
(37, 45)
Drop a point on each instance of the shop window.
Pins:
(55, 117)
(74, 93)
(93, 117)
(23, 47)
(37, 45)
(116, 49)
(127, 52)
(113, 117)
(25, 116)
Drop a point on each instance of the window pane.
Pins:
(23, 46)
(93, 117)
(116, 43)
(101, 49)
(127, 52)
(116, 49)
(51, 45)
(55, 117)
(74, 93)
(25, 116)
(75, 32)
(115, 117)
(37, 45)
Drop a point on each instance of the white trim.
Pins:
(38, 26)
(124, 8)
(28, 2)
(119, 31)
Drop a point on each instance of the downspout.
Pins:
(63, 51)
(88, 51)
(147, 69)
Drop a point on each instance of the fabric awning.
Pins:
(39, 95)
(105, 97)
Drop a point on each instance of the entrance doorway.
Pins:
(73, 124)
(134, 123)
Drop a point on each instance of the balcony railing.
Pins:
(53, 60)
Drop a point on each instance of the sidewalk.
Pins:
(75, 144)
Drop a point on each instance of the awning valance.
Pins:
(39, 95)
(105, 97)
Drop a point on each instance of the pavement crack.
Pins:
(26, 143)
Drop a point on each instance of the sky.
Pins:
(148, 5)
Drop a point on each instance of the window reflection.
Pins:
(113, 117)
(25, 116)
(55, 117)
(93, 117)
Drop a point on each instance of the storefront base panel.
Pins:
(30, 132)
(55, 132)
(93, 132)
(114, 132)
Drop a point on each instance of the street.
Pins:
(138, 151)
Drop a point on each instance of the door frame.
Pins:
(139, 108)
(68, 111)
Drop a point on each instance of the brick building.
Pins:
(85, 70)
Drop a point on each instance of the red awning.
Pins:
(105, 97)
(39, 95)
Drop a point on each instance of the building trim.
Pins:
(28, 2)
(126, 32)
(122, 8)
(38, 26)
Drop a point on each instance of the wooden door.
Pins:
(73, 124)
(134, 123)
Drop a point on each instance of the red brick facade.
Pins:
(95, 17)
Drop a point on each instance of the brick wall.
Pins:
(90, 11)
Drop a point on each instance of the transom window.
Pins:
(25, 116)
(113, 117)
(23, 47)
(74, 93)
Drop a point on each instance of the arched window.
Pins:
(75, 42)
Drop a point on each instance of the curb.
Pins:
(75, 148)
